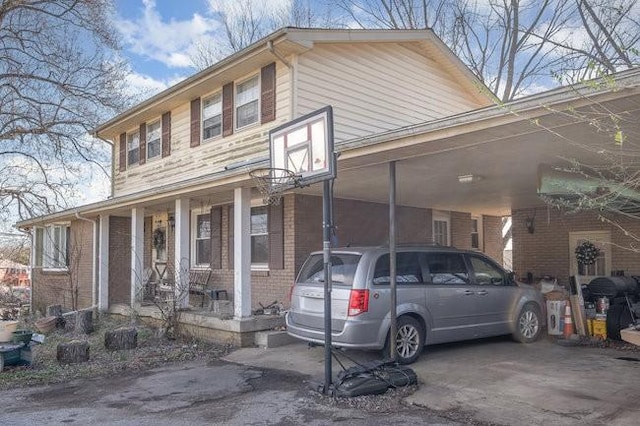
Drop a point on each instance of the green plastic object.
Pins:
(21, 336)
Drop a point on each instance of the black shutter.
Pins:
(123, 152)
(227, 109)
(268, 93)
(276, 236)
(216, 238)
(143, 143)
(195, 122)
(166, 134)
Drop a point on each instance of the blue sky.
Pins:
(160, 36)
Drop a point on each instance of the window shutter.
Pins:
(230, 243)
(143, 143)
(195, 122)
(216, 238)
(268, 93)
(227, 109)
(276, 236)
(39, 247)
(166, 134)
(123, 152)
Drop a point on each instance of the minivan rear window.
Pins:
(343, 269)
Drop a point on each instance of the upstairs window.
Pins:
(212, 116)
(153, 139)
(247, 101)
(133, 148)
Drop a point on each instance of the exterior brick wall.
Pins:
(546, 250)
(56, 287)
(492, 237)
(461, 230)
(119, 260)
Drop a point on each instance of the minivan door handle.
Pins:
(482, 292)
(468, 293)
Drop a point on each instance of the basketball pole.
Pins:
(326, 252)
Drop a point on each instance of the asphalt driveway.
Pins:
(502, 382)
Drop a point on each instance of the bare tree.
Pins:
(244, 22)
(59, 78)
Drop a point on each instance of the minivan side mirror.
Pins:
(511, 277)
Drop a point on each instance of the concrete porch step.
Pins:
(272, 339)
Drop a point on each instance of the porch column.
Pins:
(181, 252)
(137, 254)
(103, 264)
(242, 253)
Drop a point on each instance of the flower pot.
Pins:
(6, 330)
(46, 324)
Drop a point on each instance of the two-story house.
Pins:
(182, 198)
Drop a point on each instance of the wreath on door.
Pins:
(158, 239)
(587, 253)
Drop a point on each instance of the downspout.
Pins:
(94, 263)
(292, 78)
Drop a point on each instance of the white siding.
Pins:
(185, 162)
(375, 87)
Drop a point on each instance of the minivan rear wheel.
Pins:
(409, 340)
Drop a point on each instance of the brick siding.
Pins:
(119, 260)
(492, 237)
(546, 250)
(56, 287)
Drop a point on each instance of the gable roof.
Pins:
(278, 45)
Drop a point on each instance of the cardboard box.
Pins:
(555, 316)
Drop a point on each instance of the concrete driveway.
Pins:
(499, 381)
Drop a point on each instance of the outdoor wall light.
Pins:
(530, 223)
(172, 221)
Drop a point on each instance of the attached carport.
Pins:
(487, 161)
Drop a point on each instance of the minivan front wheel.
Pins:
(528, 324)
(409, 340)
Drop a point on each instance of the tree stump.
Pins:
(73, 352)
(54, 310)
(69, 321)
(121, 338)
(84, 321)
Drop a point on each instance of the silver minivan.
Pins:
(443, 295)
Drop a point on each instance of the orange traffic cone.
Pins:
(568, 322)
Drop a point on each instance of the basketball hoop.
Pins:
(272, 182)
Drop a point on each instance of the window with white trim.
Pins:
(153, 139)
(260, 236)
(201, 238)
(476, 233)
(133, 148)
(247, 102)
(54, 247)
(212, 116)
(441, 228)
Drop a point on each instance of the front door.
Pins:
(602, 265)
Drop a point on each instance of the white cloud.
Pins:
(168, 41)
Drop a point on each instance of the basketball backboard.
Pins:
(305, 147)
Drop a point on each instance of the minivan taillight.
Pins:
(358, 302)
(291, 293)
